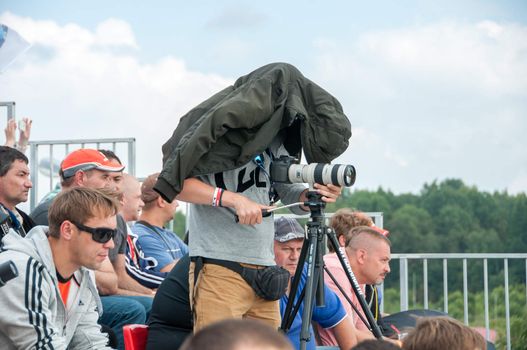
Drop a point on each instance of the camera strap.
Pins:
(259, 161)
(8, 220)
(4, 224)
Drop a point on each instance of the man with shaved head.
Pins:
(132, 202)
(368, 252)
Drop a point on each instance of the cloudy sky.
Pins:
(433, 89)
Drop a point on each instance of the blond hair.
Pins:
(439, 333)
(344, 220)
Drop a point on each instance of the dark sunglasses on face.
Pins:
(98, 234)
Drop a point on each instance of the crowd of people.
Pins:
(96, 256)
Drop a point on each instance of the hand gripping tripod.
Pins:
(311, 254)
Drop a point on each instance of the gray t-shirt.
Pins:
(213, 232)
(119, 239)
(40, 213)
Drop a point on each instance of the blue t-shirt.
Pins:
(327, 316)
(160, 246)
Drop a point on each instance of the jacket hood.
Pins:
(312, 118)
(35, 244)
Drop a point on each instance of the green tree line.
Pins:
(450, 217)
(447, 217)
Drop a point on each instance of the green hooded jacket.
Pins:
(233, 126)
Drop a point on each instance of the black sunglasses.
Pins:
(99, 234)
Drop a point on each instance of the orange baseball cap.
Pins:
(87, 159)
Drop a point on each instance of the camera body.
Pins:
(286, 169)
(8, 271)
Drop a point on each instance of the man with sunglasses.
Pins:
(54, 303)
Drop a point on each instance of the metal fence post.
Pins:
(486, 297)
(445, 285)
(465, 292)
(33, 153)
(403, 278)
(507, 312)
(425, 283)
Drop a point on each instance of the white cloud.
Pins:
(115, 32)
(447, 99)
(484, 55)
(74, 90)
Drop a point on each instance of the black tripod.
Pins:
(311, 254)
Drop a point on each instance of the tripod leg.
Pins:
(312, 277)
(319, 265)
(290, 313)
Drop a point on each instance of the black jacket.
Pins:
(7, 223)
(234, 125)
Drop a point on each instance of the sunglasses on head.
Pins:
(98, 234)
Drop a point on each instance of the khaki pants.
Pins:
(221, 294)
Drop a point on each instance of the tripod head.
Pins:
(316, 205)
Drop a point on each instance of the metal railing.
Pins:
(425, 258)
(54, 151)
(10, 106)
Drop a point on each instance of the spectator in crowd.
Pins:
(23, 138)
(237, 335)
(439, 333)
(216, 239)
(159, 248)
(132, 202)
(53, 303)
(115, 177)
(130, 209)
(14, 189)
(342, 222)
(289, 238)
(81, 168)
(368, 253)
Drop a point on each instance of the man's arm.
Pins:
(346, 334)
(342, 279)
(135, 269)
(106, 279)
(125, 282)
(169, 267)
(197, 192)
